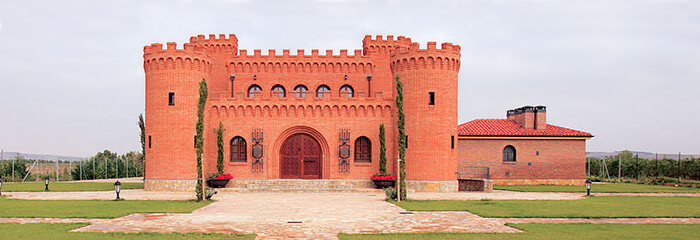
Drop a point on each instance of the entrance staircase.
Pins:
(301, 185)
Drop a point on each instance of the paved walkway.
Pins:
(128, 194)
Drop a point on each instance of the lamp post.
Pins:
(46, 182)
(588, 187)
(117, 188)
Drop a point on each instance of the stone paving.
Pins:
(313, 215)
(302, 216)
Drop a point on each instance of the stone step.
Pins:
(301, 185)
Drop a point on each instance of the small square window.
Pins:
(431, 100)
(538, 153)
(171, 98)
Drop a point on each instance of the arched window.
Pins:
(254, 89)
(347, 89)
(300, 91)
(363, 150)
(238, 149)
(322, 89)
(509, 154)
(279, 90)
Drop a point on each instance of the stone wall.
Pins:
(433, 186)
(169, 185)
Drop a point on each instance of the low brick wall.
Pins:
(433, 186)
(572, 182)
(169, 185)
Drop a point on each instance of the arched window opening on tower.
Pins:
(238, 149)
(509, 154)
(253, 90)
(321, 90)
(279, 89)
(363, 150)
(300, 91)
(347, 89)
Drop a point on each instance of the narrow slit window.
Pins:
(149, 141)
(195, 141)
(431, 98)
(171, 98)
(453, 141)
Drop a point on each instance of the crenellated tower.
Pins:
(172, 90)
(219, 48)
(430, 104)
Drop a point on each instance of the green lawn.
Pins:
(601, 188)
(65, 186)
(559, 231)
(592, 207)
(91, 208)
(61, 231)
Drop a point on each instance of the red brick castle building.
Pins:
(306, 115)
(290, 115)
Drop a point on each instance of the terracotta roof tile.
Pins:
(505, 127)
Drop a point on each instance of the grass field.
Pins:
(66, 186)
(61, 231)
(592, 207)
(91, 208)
(600, 188)
(559, 231)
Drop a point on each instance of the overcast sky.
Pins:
(72, 81)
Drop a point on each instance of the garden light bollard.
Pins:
(588, 187)
(46, 183)
(117, 188)
(0, 187)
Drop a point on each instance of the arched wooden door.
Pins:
(301, 157)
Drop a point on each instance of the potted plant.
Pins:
(383, 180)
(218, 180)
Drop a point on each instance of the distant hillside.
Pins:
(645, 155)
(10, 155)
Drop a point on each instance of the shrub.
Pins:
(390, 193)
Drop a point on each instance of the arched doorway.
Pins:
(300, 157)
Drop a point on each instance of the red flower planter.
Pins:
(384, 183)
(217, 183)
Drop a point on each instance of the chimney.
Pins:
(528, 121)
(524, 116)
(510, 114)
(540, 117)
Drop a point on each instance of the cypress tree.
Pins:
(382, 150)
(220, 144)
(199, 139)
(401, 124)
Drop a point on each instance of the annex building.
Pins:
(312, 115)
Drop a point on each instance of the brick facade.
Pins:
(230, 72)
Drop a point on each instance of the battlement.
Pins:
(379, 45)
(171, 48)
(413, 57)
(300, 53)
(445, 48)
(214, 39)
